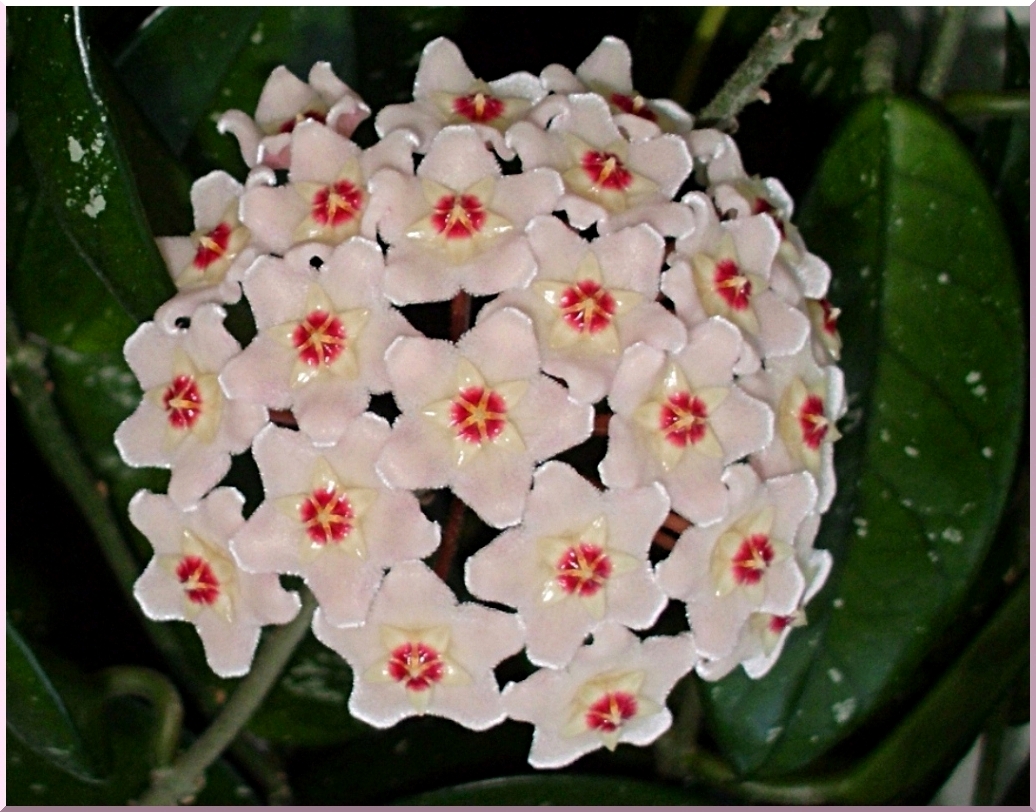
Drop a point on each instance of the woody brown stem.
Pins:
(601, 422)
(460, 315)
(450, 535)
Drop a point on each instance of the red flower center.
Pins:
(606, 170)
(289, 125)
(611, 711)
(478, 107)
(813, 421)
(199, 582)
(337, 204)
(830, 317)
(763, 206)
(583, 569)
(458, 217)
(182, 401)
(683, 419)
(417, 665)
(634, 105)
(327, 515)
(212, 246)
(752, 557)
(478, 414)
(734, 288)
(319, 338)
(778, 623)
(587, 307)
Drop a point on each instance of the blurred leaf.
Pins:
(933, 365)
(176, 62)
(37, 716)
(294, 37)
(77, 154)
(308, 705)
(560, 790)
(21, 194)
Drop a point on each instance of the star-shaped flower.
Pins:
(727, 269)
(325, 199)
(680, 420)
(446, 92)
(329, 518)
(458, 223)
(609, 181)
(478, 416)
(193, 577)
(590, 301)
(323, 327)
(608, 71)
(420, 652)
(185, 422)
(207, 266)
(578, 559)
(808, 400)
(613, 691)
(744, 563)
(285, 102)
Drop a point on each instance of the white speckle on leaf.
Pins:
(835, 675)
(987, 452)
(907, 503)
(943, 279)
(838, 603)
(257, 36)
(96, 205)
(844, 710)
(933, 556)
(952, 535)
(979, 391)
(973, 377)
(814, 738)
(773, 733)
(97, 145)
(865, 271)
(75, 150)
(910, 451)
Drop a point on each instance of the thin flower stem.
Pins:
(156, 689)
(701, 45)
(450, 538)
(775, 47)
(182, 779)
(1001, 104)
(944, 52)
(460, 315)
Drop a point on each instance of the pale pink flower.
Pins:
(323, 328)
(590, 301)
(680, 419)
(608, 71)
(609, 180)
(207, 266)
(716, 156)
(808, 400)
(478, 416)
(577, 560)
(459, 223)
(185, 422)
(743, 564)
(421, 653)
(325, 199)
(727, 269)
(286, 101)
(193, 577)
(447, 92)
(613, 691)
(329, 517)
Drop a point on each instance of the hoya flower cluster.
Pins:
(626, 263)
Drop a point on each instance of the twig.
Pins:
(1000, 104)
(944, 52)
(601, 422)
(775, 47)
(183, 778)
(701, 45)
(460, 315)
(450, 537)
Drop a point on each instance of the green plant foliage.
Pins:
(933, 365)
(77, 153)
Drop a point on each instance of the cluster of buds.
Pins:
(626, 263)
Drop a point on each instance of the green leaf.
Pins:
(933, 361)
(37, 716)
(83, 170)
(564, 790)
(175, 64)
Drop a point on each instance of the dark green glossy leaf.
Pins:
(933, 365)
(37, 716)
(175, 64)
(294, 37)
(21, 194)
(82, 166)
(561, 790)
